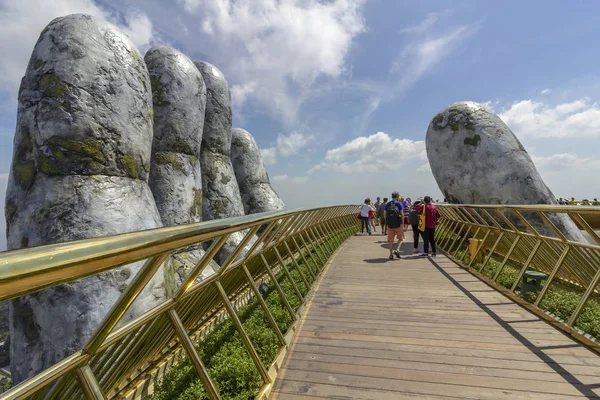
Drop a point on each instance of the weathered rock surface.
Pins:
(251, 175)
(179, 98)
(221, 194)
(80, 168)
(476, 159)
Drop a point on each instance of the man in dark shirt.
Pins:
(394, 216)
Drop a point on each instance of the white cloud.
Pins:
(286, 146)
(299, 179)
(22, 21)
(139, 29)
(579, 118)
(569, 174)
(426, 168)
(269, 155)
(282, 46)
(545, 91)
(425, 25)
(292, 144)
(375, 153)
(278, 178)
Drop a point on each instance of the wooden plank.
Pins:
(403, 329)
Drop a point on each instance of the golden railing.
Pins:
(509, 241)
(116, 358)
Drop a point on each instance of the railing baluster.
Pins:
(278, 287)
(240, 328)
(89, 384)
(192, 354)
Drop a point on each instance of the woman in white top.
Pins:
(364, 216)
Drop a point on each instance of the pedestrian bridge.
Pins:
(508, 309)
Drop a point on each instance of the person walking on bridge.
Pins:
(394, 219)
(432, 215)
(381, 215)
(364, 216)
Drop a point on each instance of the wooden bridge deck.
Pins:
(421, 328)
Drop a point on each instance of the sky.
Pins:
(339, 93)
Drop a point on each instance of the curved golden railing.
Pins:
(117, 358)
(511, 240)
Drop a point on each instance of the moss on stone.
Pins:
(211, 174)
(125, 273)
(91, 148)
(37, 64)
(474, 141)
(123, 287)
(182, 147)
(167, 158)
(10, 210)
(133, 53)
(47, 166)
(150, 116)
(225, 179)
(454, 127)
(24, 173)
(219, 142)
(52, 85)
(469, 125)
(169, 277)
(197, 204)
(131, 166)
(156, 91)
(25, 147)
(219, 207)
(438, 119)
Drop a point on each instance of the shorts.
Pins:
(395, 232)
(406, 220)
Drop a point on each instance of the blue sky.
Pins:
(339, 93)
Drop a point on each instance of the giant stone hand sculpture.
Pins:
(179, 96)
(80, 170)
(476, 159)
(252, 177)
(85, 154)
(222, 197)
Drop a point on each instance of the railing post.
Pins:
(89, 384)
(264, 306)
(289, 276)
(301, 251)
(526, 265)
(313, 246)
(584, 298)
(297, 268)
(189, 348)
(240, 328)
(552, 275)
(278, 287)
(287, 247)
(124, 302)
(506, 257)
(492, 250)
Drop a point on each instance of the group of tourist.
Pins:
(573, 202)
(395, 216)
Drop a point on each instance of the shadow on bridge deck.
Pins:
(425, 328)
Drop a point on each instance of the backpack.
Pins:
(413, 217)
(392, 216)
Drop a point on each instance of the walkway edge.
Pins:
(303, 311)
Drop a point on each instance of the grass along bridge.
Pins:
(335, 317)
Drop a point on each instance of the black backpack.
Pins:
(392, 215)
(413, 217)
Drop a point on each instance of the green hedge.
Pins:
(223, 353)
